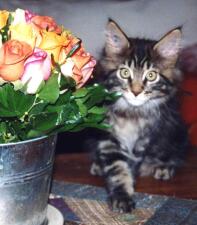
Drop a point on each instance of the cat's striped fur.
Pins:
(148, 136)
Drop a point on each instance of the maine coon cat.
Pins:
(148, 136)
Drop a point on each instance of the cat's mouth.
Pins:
(134, 100)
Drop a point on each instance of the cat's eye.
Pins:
(151, 76)
(125, 73)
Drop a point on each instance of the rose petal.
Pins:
(46, 23)
(28, 15)
(12, 56)
(3, 18)
(37, 69)
(67, 68)
(80, 61)
(19, 17)
(87, 72)
(12, 72)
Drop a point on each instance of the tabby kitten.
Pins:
(148, 136)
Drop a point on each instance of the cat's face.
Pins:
(140, 84)
(143, 71)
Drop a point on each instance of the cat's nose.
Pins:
(136, 93)
(136, 88)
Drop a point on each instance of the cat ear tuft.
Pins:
(169, 45)
(116, 41)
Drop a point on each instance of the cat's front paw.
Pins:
(163, 173)
(121, 202)
(95, 169)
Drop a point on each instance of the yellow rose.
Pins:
(3, 18)
(53, 43)
(23, 32)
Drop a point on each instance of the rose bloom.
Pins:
(46, 23)
(40, 22)
(79, 66)
(53, 43)
(19, 16)
(23, 32)
(37, 69)
(21, 28)
(28, 16)
(13, 53)
(3, 18)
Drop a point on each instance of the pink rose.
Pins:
(28, 15)
(87, 71)
(37, 69)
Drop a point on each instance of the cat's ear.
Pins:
(168, 46)
(116, 41)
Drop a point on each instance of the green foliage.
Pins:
(4, 32)
(50, 91)
(57, 107)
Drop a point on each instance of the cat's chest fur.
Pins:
(129, 131)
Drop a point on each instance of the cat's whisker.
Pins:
(148, 92)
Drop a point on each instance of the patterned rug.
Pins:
(86, 205)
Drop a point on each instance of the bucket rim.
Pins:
(25, 141)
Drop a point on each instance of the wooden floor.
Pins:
(75, 168)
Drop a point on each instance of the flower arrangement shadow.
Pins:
(43, 67)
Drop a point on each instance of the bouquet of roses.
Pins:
(43, 67)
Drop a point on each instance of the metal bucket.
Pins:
(25, 177)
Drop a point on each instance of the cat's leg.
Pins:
(162, 165)
(165, 155)
(118, 175)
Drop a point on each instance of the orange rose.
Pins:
(53, 43)
(12, 56)
(80, 65)
(46, 23)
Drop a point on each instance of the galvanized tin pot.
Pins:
(25, 176)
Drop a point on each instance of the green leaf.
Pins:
(3, 128)
(7, 133)
(82, 107)
(18, 130)
(80, 93)
(97, 110)
(64, 98)
(67, 112)
(14, 103)
(38, 108)
(96, 96)
(94, 118)
(50, 91)
(66, 82)
(34, 134)
(44, 121)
